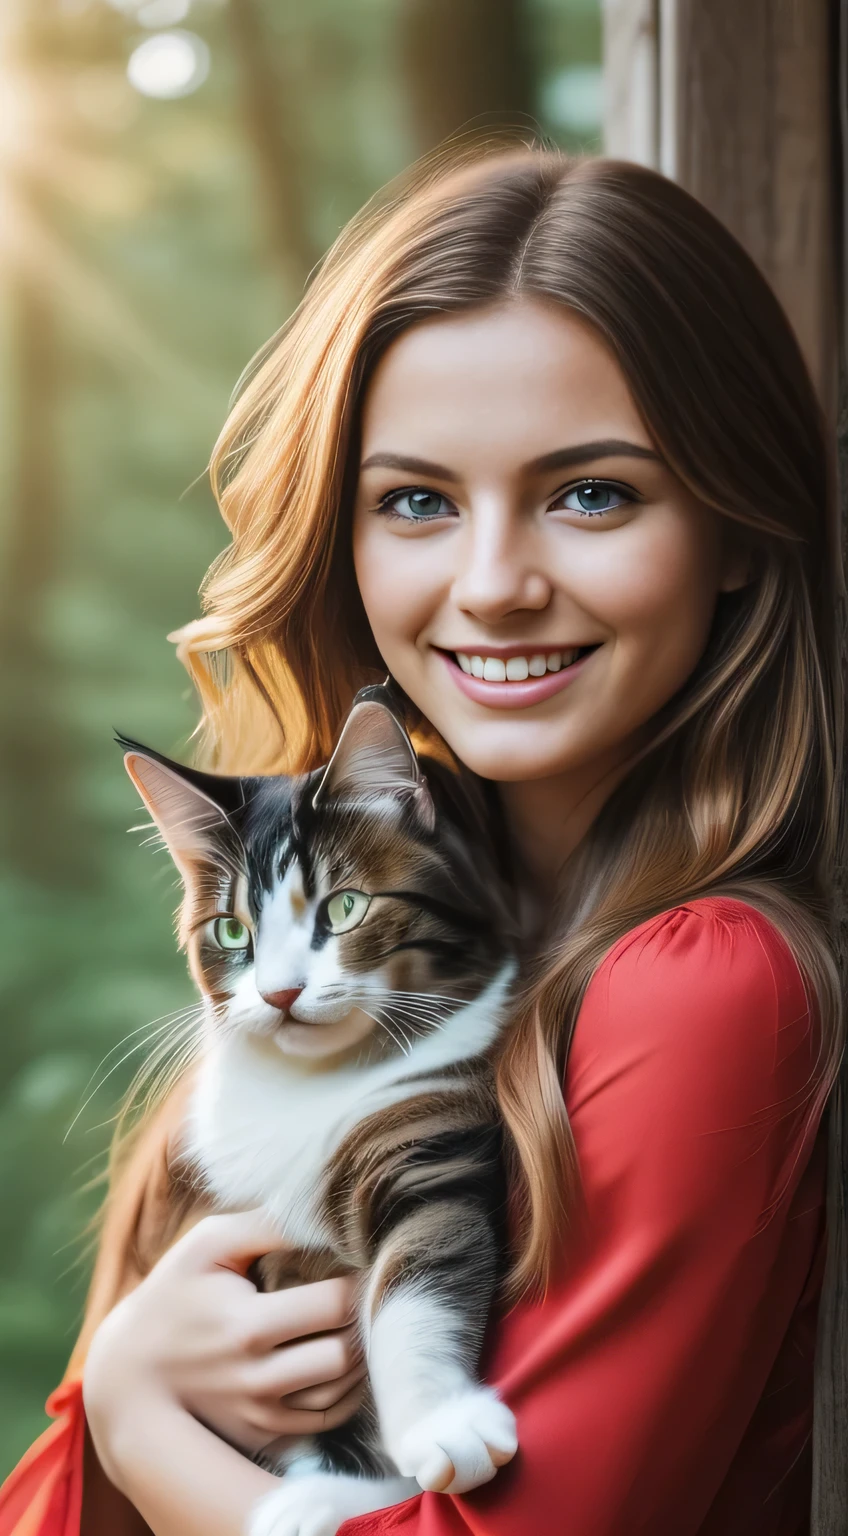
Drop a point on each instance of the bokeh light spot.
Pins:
(168, 65)
(162, 13)
(573, 98)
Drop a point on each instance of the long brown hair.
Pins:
(738, 791)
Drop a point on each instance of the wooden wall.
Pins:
(737, 100)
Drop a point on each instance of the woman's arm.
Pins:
(180, 1477)
(196, 1340)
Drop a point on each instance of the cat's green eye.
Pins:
(229, 933)
(346, 910)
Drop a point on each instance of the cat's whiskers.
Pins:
(417, 1002)
(163, 1070)
(430, 999)
(403, 1044)
(222, 1017)
(424, 1012)
(164, 1021)
(173, 1028)
(413, 1013)
(383, 1015)
(186, 1037)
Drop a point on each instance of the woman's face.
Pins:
(536, 578)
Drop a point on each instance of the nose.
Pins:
(502, 572)
(283, 1000)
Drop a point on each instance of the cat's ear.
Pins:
(192, 810)
(375, 759)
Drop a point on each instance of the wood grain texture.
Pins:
(631, 61)
(738, 105)
(753, 141)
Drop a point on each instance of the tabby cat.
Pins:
(354, 949)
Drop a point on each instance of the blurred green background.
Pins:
(170, 170)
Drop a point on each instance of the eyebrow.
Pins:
(415, 466)
(604, 448)
(561, 458)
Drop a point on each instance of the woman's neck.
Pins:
(547, 818)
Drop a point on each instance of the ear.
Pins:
(191, 809)
(375, 759)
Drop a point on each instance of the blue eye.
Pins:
(416, 506)
(592, 497)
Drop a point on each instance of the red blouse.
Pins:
(664, 1386)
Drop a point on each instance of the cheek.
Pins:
(400, 582)
(656, 596)
(244, 1005)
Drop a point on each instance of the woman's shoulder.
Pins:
(707, 991)
(720, 942)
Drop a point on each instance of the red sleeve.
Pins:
(43, 1495)
(689, 1089)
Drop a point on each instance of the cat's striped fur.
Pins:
(345, 1082)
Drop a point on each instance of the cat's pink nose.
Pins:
(283, 1000)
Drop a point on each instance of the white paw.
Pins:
(460, 1444)
(305, 1506)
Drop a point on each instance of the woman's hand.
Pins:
(252, 1366)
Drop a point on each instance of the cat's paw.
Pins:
(305, 1506)
(460, 1444)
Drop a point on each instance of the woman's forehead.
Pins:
(518, 380)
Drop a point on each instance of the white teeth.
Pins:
(518, 668)
(494, 671)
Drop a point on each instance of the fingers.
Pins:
(276, 1419)
(311, 1363)
(325, 1306)
(319, 1399)
(232, 1242)
(229, 1241)
(340, 1411)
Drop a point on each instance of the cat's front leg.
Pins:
(423, 1333)
(313, 1502)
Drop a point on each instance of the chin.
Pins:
(514, 755)
(314, 1042)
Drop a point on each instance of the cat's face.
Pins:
(334, 912)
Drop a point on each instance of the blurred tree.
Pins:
(269, 108)
(34, 774)
(466, 63)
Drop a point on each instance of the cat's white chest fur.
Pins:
(263, 1131)
(263, 1127)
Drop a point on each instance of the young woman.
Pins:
(540, 442)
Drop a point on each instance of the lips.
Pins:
(518, 694)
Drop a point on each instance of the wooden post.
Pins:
(631, 80)
(743, 116)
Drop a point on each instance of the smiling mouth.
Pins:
(516, 681)
(517, 669)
